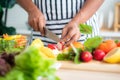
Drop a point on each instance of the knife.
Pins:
(51, 35)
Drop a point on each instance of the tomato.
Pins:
(52, 46)
(86, 56)
(118, 44)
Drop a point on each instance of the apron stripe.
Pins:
(51, 9)
(61, 9)
(56, 24)
(46, 6)
(38, 4)
(41, 6)
(55, 29)
(76, 6)
(80, 4)
(35, 2)
(71, 8)
(58, 5)
(64, 7)
(67, 9)
(56, 11)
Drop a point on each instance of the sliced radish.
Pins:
(52, 46)
(60, 45)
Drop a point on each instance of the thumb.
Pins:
(64, 33)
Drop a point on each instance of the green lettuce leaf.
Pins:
(34, 64)
(13, 75)
(85, 29)
(91, 43)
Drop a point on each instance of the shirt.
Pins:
(58, 13)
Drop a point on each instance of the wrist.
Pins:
(32, 9)
(78, 19)
(73, 22)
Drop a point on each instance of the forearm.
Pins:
(89, 8)
(28, 5)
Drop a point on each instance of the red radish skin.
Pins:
(98, 55)
(60, 45)
(86, 56)
(52, 46)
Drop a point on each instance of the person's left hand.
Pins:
(70, 33)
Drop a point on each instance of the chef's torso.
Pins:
(58, 13)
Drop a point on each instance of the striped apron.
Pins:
(58, 13)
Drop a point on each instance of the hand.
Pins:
(70, 33)
(37, 20)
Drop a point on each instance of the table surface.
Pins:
(67, 74)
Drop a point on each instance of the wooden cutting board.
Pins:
(91, 66)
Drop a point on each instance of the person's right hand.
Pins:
(37, 21)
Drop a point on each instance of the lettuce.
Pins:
(34, 64)
(13, 75)
(30, 65)
(85, 29)
(92, 43)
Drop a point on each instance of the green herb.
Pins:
(76, 59)
(77, 56)
(85, 29)
(70, 55)
(8, 46)
(63, 56)
(116, 41)
(91, 43)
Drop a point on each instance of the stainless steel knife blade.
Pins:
(51, 35)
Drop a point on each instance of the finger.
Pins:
(31, 24)
(69, 35)
(73, 39)
(35, 24)
(41, 25)
(64, 32)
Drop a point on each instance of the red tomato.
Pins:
(86, 56)
(98, 54)
(118, 44)
(52, 46)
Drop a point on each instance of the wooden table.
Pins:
(66, 74)
(84, 71)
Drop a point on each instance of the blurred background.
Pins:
(109, 15)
